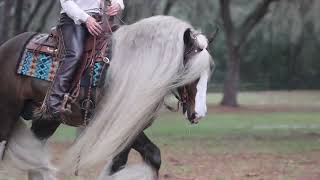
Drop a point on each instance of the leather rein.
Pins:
(181, 97)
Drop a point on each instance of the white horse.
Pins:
(151, 58)
(149, 61)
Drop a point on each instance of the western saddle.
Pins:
(51, 44)
(97, 49)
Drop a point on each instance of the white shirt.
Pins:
(78, 9)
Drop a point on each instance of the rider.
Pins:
(76, 22)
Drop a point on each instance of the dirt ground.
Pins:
(201, 165)
(229, 166)
(195, 164)
(244, 166)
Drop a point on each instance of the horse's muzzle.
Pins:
(193, 118)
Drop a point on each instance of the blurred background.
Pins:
(264, 103)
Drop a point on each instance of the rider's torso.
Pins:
(89, 6)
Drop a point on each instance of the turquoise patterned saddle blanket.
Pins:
(42, 65)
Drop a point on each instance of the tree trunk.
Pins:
(295, 49)
(6, 15)
(236, 38)
(139, 9)
(231, 82)
(18, 17)
(44, 17)
(33, 14)
(168, 7)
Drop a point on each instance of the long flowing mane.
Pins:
(147, 63)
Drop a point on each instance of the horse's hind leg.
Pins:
(148, 150)
(29, 154)
(8, 120)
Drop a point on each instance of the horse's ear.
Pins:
(187, 37)
(192, 39)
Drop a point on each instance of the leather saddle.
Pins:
(96, 50)
(51, 44)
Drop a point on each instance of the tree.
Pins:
(138, 9)
(6, 14)
(17, 17)
(236, 37)
(168, 6)
(300, 24)
(293, 32)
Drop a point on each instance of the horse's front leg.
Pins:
(148, 151)
(120, 161)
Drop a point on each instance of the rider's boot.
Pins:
(2, 148)
(73, 37)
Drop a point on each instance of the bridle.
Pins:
(182, 95)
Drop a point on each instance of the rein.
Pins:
(181, 97)
(88, 104)
(172, 109)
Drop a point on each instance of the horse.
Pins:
(151, 58)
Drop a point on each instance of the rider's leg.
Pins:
(73, 37)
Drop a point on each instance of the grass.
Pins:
(267, 132)
(283, 131)
(274, 98)
(280, 133)
(276, 132)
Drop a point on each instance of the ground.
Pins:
(272, 136)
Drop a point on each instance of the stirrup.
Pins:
(2, 148)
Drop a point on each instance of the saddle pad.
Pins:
(43, 66)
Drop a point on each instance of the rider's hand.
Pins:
(93, 26)
(114, 9)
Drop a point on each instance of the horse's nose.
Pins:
(193, 116)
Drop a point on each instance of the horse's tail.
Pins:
(132, 172)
